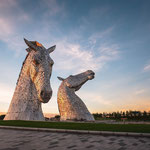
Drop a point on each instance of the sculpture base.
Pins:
(24, 116)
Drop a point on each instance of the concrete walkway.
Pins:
(38, 140)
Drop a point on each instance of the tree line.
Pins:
(119, 115)
(124, 115)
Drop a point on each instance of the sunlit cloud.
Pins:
(74, 57)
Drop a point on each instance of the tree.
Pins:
(2, 117)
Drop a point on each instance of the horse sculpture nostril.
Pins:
(42, 94)
(46, 95)
(93, 73)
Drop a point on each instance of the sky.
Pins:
(109, 37)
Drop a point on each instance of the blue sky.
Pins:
(108, 37)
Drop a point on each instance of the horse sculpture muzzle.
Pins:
(91, 74)
(46, 95)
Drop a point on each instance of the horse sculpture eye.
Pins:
(36, 62)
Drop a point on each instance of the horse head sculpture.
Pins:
(71, 107)
(40, 68)
(33, 85)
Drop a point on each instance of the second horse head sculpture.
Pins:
(71, 107)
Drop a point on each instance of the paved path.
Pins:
(34, 140)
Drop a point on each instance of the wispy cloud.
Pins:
(100, 35)
(94, 101)
(10, 22)
(95, 98)
(74, 57)
(70, 56)
(8, 3)
(16, 23)
(147, 68)
(53, 8)
(140, 91)
(6, 28)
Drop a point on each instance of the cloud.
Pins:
(11, 19)
(94, 55)
(94, 101)
(108, 52)
(16, 23)
(8, 4)
(90, 20)
(6, 28)
(147, 68)
(95, 98)
(70, 56)
(53, 8)
(73, 57)
(100, 35)
(6, 92)
(139, 92)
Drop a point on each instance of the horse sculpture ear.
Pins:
(51, 49)
(30, 45)
(61, 79)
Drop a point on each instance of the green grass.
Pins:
(138, 128)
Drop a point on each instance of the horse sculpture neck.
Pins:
(71, 107)
(25, 104)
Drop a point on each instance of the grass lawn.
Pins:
(139, 128)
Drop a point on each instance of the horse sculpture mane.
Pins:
(33, 85)
(71, 107)
(22, 68)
